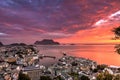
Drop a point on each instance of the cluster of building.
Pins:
(68, 65)
(25, 59)
(14, 58)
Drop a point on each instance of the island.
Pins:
(18, 44)
(72, 44)
(47, 42)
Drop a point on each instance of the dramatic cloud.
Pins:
(56, 19)
(2, 34)
(111, 19)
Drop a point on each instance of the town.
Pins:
(21, 59)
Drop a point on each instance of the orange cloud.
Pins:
(101, 34)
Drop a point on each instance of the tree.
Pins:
(74, 64)
(104, 76)
(45, 78)
(83, 77)
(74, 75)
(58, 78)
(23, 76)
(117, 77)
(117, 47)
(101, 67)
(117, 32)
(1, 44)
(117, 36)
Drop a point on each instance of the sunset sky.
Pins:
(66, 21)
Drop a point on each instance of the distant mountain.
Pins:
(18, 44)
(47, 42)
(1, 44)
(72, 44)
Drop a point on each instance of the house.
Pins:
(33, 72)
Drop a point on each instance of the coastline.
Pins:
(26, 59)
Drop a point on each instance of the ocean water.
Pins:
(102, 54)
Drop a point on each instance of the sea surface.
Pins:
(102, 54)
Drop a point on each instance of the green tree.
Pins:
(58, 78)
(104, 76)
(117, 47)
(117, 36)
(117, 77)
(45, 78)
(117, 32)
(101, 67)
(1, 44)
(100, 76)
(74, 75)
(83, 77)
(74, 64)
(23, 76)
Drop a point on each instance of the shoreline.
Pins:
(26, 59)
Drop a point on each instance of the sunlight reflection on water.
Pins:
(102, 54)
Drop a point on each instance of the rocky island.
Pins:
(47, 42)
(18, 44)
